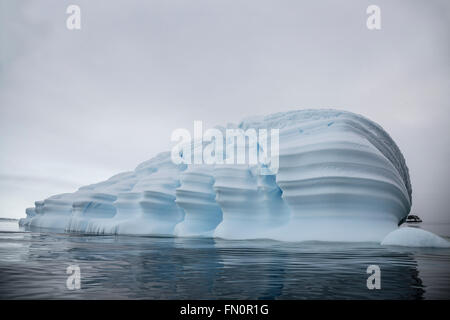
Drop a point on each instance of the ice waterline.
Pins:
(340, 178)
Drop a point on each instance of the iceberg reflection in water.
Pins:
(33, 265)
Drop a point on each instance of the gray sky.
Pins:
(79, 106)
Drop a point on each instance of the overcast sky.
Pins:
(79, 106)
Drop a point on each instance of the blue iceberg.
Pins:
(340, 177)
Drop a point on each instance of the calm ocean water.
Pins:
(33, 265)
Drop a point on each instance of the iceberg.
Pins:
(340, 177)
(196, 196)
(414, 237)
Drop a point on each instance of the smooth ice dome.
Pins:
(341, 178)
(414, 237)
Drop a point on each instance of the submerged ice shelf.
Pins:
(414, 237)
(341, 178)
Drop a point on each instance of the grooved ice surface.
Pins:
(341, 178)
